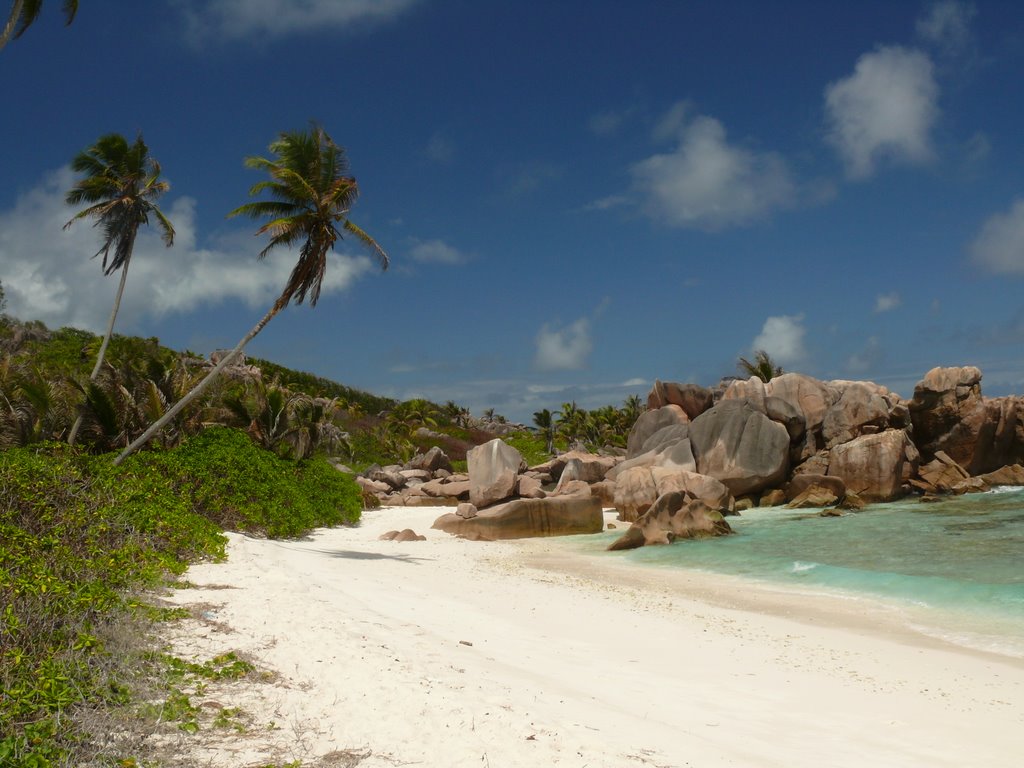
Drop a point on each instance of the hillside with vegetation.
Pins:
(84, 543)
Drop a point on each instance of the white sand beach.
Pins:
(450, 653)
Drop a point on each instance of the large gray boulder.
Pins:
(527, 518)
(738, 444)
(493, 472)
(811, 398)
(871, 466)
(431, 461)
(859, 410)
(692, 398)
(950, 415)
(649, 423)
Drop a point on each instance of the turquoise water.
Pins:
(954, 568)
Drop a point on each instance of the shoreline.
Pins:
(448, 652)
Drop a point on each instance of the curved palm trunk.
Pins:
(103, 348)
(199, 388)
(12, 21)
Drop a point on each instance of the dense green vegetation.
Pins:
(80, 537)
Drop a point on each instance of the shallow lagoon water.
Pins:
(953, 569)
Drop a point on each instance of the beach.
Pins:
(448, 652)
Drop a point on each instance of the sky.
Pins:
(577, 198)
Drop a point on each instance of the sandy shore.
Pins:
(447, 652)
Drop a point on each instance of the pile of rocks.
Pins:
(698, 454)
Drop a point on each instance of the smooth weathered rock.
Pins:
(787, 414)
(801, 483)
(858, 409)
(408, 534)
(941, 474)
(692, 398)
(814, 496)
(373, 486)
(431, 461)
(530, 487)
(693, 485)
(649, 423)
(950, 415)
(443, 487)
(811, 398)
(466, 510)
(1009, 475)
(670, 518)
(871, 466)
(493, 472)
(572, 488)
(605, 491)
(751, 390)
(527, 518)
(635, 492)
(739, 445)
(773, 498)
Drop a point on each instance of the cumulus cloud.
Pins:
(706, 182)
(279, 18)
(436, 252)
(563, 349)
(48, 275)
(884, 110)
(782, 337)
(608, 123)
(887, 301)
(947, 25)
(999, 246)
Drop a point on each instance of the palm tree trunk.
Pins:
(12, 21)
(199, 388)
(103, 348)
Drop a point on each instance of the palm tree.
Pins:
(546, 426)
(312, 194)
(25, 12)
(120, 185)
(763, 366)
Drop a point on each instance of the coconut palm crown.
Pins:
(23, 14)
(312, 195)
(120, 186)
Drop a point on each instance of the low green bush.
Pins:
(78, 536)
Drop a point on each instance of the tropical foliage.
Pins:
(120, 186)
(311, 195)
(78, 536)
(763, 367)
(23, 14)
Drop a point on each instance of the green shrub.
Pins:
(78, 535)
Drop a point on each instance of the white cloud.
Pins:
(886, 301)
(885, 109)
(947, 25)
(782, 337)
(672, 123)
(999, 246)
(607, 123)
(634, 382)
(563, 349)
(47, 273)
(707, 183)
(436, 252)
(279, 18)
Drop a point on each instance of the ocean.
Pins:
(952, 569)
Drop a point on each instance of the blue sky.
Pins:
(577, 197)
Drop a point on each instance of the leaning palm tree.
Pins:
(25, 12)
(545, 424)
(763, 367)
(312, 194)
(120, 186)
